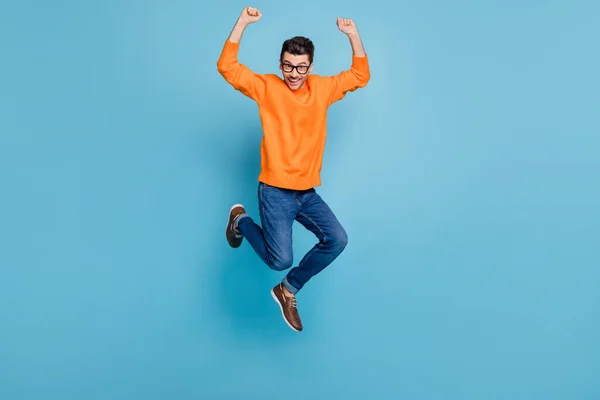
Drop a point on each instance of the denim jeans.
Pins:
(279, 208)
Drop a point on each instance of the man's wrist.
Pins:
(241, 24)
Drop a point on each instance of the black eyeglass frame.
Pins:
(294, 67)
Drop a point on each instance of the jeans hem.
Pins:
(289, 286)
(236, 223)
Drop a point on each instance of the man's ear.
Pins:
(310, 68)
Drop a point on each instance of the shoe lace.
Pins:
(294, 302)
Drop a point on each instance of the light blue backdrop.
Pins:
(466, 175)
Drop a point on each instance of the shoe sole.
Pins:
(281, 308)
(230, 210)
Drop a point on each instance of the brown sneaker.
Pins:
(288, 307)
(234, 237)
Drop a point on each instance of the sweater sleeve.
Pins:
(238, 75)
(348, 81)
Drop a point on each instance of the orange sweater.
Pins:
(293, 122)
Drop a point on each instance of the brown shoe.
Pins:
(288, 308)
(234, 237)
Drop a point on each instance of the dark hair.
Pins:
(298, 46)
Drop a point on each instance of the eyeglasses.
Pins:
(302, 69)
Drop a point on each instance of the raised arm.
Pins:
(236, 74)
(359, 73)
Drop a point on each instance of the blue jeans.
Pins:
(279, 208)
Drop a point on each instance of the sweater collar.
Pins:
(304, 89)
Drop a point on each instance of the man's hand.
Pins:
(249, 15)
(347, 26)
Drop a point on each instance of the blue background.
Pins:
(466, 175)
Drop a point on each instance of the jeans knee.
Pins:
(339, 239)
(343, 239)
(281, 263)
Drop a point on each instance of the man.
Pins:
(293, 114)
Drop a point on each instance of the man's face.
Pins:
(295, 77)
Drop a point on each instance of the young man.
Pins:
(293, 114)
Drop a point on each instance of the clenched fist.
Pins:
(249, 15)
(347, 26)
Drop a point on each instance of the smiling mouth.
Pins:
(293, 81)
